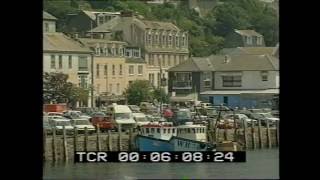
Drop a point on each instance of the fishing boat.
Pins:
(164, 136)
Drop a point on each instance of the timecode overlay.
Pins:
(154, 157)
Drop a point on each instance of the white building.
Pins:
(66, 55)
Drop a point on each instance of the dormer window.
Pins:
(169, 40)
(183, 41)
(177, 41)
(163, 40)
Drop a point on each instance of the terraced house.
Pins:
(163, 45)
(240, 80)
(115, 66)
(66, 55)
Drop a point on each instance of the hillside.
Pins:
(206, 33)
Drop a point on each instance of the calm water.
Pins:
(261, 164)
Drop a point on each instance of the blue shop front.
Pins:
(241, 98)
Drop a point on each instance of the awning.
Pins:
(238, 92)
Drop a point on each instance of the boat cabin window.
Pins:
(164, 131)
(189, 130)
(173, 131)
(152, 130)
(169, 130)
(147, 130)
(158, 130)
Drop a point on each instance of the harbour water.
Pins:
(261, 164)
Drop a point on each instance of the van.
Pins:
(121, 114)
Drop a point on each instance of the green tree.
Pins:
(56, 88)
(160, 95)
(138, 91)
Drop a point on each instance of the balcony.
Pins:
(182, 85)
(83, 70)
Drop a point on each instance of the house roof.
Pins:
(106, 27)
(235, 63)
(92, 42)
(160, 25)
(58, 42)
(92, 15)
(238, 92)
(249, 50)
(247, 32)
(48, 16)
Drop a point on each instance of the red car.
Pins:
(104, 122)
(167, 113)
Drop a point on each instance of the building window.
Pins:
(46, 27)
(101, 20)
(131, 71)
(180, 59)
(60, 61)
(249, 40)
(254, 40)
(53, 62)
(177, 41)
(70, 62)
(169, 60)
(140, 69)
(175, 59)
(231, 81)
(156, 39)
(116, 51)
(120, 71)
(105, 69)
(118, 88)
(264, 75)
(207, 79)
(151, 58)
(163, 60)
(149, 39)
(121, 51)
(163, 40)
(183, 41)
(98, 88)
(98, 67)
(113, 69)
(98, 51)
(109, 52)
(83, 63)
(83, 81)
(259, 40)
(169, 40)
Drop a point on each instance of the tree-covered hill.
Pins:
(206, 33)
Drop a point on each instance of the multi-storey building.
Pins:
(115, 65)
(66, 55)
(163, 44)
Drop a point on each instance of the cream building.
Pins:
(66, 55)
(163, 44)
(115, 66)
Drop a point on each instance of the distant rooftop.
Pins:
(247, 32)
(58, 42)
(48, 16)
(92, 14)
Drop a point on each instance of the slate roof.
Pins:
(58, 42)
(235, 63)
(249, 50)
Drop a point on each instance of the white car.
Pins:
(239, 118)
(140, 118)
(81, 124)
(268, 116)
(58, 123)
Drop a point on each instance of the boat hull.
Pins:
(145, 143)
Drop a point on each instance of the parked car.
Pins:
(268, 116)
(54, 114)
(182, 116)
(100, 118)
(121, 115)
(75, 115)
(141, 119)
(148, 108)
(134, 108)
(239, 119)
(81, 124)
(58, 123)
(167, 113)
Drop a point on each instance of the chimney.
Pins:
(226, 59)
